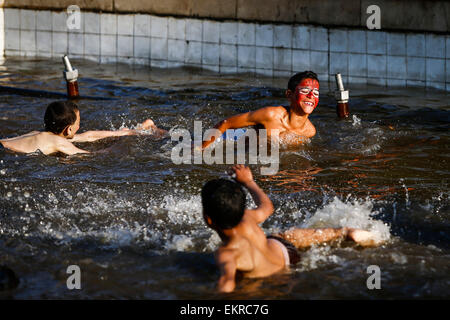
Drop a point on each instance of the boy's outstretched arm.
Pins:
(240, 121)
(94, 135)
(227, 264)
(264, 204)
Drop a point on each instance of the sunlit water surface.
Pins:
(131, 218)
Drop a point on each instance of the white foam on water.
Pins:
(317, 256)
(357, 214)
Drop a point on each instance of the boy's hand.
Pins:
(243, 174)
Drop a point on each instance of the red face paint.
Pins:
(307, 94)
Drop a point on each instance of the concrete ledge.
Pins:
(405, 15)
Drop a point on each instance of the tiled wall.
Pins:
(361, 56)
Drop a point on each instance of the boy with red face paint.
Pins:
(303, 96)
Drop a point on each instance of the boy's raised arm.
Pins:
(264, 204)
(227, 264)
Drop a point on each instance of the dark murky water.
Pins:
(131, 219)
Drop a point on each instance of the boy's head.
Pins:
(303, 91)
(223, 203)
(62, 118)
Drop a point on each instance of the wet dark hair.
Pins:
(59, 115)
(298, 77)
(224, 202)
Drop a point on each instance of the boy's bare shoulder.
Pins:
(272, 112)
(310, 130)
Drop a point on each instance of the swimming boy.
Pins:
(245, 248)
(303, 96)
(62, 121)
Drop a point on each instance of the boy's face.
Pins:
(72, 129)
(306, 95)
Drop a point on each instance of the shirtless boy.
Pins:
(303, 96)
(245, 248)
(62, 121)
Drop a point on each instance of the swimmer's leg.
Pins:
(304, 238)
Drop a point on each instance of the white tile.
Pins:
(228, 70)
(264, 35)
(435, 46)
(323, 77)
(176, 50)
(357, 41)
(396, 83)
(194, 29)
(319, 62)
(210, 54)
(447, 46)
(357, 65)
(108, 59)
(27, 40)
(338, 40)
(92, 44)
(282, 59)
(357, 80)
(376, 42)
(264, 58)
(396, 67)
(319, 39)
(228, 32)
(282, 36)
(108, 24)
(177, 29)
(94, 58)
(76, 43)
(125, 59)
(211, 31)
(246, 34)
(91, 22)
(414, 83)
(376, 66)
(158, 48)
(125, 46)
(142, 61)
(301, 60)
(301, 37)
(125, 24)
(447, 72)
(158, 27)
(59, 21)
(142, 47)
(44, 41)
(377, 81)
(108, 45)
(249, 71)
(162, 64)
(339, 63)
(264, 72)
(435, 70)
(415, 45)
(396, 44)
(12, 39)
(211, 68)
(228, 55)
(59, 43)
(12, 18)
(246, 56)
(142, 25)
(436, 85)
(171, 64)
(44, 20)
(27, 19)
(282, 74)
(193, 52)
(415, 67)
